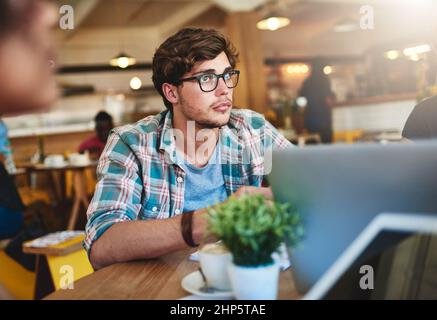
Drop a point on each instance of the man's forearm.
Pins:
(133, 240)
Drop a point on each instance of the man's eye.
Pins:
(206, 78)
(227, 75)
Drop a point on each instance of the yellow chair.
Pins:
(29, 195)
(90, 177)
(348, 136)
(58, 266)
(18, 281)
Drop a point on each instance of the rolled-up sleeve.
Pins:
(118, 192)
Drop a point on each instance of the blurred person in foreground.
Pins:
(422, 125)
(27, 84)
(95, 144)
(320, 99)
(158, 177)
(422, 122)
(6, 157)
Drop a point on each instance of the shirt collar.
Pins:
(228, 132)
(167, 142)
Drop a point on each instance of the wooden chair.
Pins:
(58, 266)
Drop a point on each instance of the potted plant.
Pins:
(253, 228)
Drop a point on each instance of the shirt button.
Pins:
(180, 179)
(154, 209)
(177, 211)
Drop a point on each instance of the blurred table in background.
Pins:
(62, 178)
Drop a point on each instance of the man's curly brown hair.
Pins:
(180, 52)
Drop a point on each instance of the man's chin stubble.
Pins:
(210, 124)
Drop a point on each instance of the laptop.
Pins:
(340, 190)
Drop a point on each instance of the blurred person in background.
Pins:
(6, 157)
(27, 84)
(320, 99)
(95, 145)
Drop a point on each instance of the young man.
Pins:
(95, 145)
(158, 176)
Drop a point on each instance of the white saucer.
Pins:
(193, 282)
(80, 163)
(55, 165)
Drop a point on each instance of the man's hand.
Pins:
(250, 190)
(200, 221)
(200, 228)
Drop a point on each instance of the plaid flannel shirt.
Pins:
(139, 176)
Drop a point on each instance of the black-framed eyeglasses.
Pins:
(209, 81)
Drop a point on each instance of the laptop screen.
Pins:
(404, 269)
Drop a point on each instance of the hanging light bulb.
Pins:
(122, 61)
(135, 83)
(273, 22)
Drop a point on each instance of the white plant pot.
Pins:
(255, 283)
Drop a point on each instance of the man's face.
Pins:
(207, 109)
(27, 80)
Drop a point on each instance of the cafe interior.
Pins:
(375, 59)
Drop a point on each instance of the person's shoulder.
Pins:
(421, 122)
(428, 105)
(88, 141)
(247, 119)
(147, 126)
(142, 133)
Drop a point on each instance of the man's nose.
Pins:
(222, 88)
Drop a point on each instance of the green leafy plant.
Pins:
(252, 228)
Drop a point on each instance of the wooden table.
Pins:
(79, 185)
(158, 279)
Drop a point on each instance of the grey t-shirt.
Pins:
(204, 186)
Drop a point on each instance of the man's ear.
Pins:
(170, 92)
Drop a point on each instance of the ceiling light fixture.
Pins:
(328, 70)
(273, 22)
(392, 54)
(135, 83)
(122, 61)
(424, 48)
(346, 27)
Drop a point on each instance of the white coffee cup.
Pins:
(214, 260)
(77, 159)
(54, 160)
